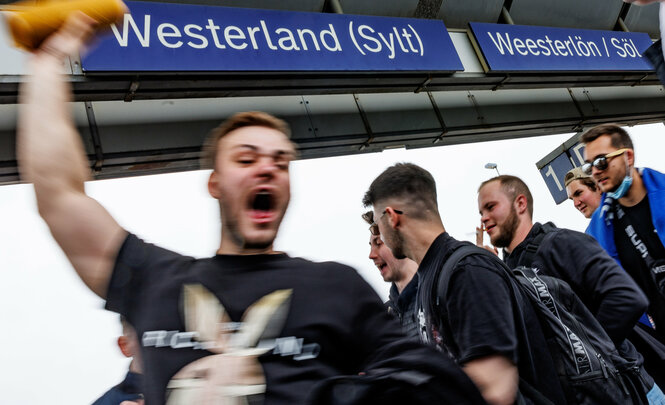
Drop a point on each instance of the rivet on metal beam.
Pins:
(132, 91)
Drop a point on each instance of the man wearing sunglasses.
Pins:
(630, 223)
(401, 273)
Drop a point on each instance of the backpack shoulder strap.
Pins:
(531, 249)
(443, 277)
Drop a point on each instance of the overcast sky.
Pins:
(58, 344)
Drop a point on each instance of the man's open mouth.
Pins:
(262, 206)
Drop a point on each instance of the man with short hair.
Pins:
(401, 273)
(630, 224)
(247, 325)
(476, 320)
(506, 208)
(582, 191)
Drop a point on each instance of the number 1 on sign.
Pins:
(550, 172)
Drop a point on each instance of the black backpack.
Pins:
(589, 367)
(389, 387)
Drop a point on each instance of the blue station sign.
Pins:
(182, 37)
(521, 48)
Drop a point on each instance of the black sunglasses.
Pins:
(601, 162)
(374, 226)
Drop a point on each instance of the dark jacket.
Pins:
(403, 306)
(602, 285)
(129, 389)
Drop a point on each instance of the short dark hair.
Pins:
(406, 181)
(512, 186)
(237, 121)
(618, 136)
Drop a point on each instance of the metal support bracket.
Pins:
(578, 127)
(423, 85)
(501, 83)
(308, 113)
(588, 97)
(368, 127)
(476, 107)
(94, 135)
(640, 80)
(134, 85)
(439, 117)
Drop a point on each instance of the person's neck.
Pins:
(636, 192)
(407, 274)
(134, 368)
(419, 241)
(521, 233)
(230, 247)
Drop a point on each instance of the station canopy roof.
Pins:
(144, 123)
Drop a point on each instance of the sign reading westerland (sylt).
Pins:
(180, 37)
(521, 48)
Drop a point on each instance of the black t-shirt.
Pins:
(312, 321)
(481, 316)
(639, 216)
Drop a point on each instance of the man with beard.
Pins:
(582, 191)
(401, 273)
(249, 324)
(478, 321)
(630, 224)
(506, 208)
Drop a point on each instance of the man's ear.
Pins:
(521, 204)
(213, 182)
(630, 157)
(123, 344)
(394, 219)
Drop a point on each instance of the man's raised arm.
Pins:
(51, 156)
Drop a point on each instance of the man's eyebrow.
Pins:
(240, 146)
(596, 157)
(254, 148)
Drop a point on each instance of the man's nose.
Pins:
(267, 166)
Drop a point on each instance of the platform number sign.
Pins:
(576, 154)
(555, 170)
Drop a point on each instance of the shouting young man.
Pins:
(249, 324)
